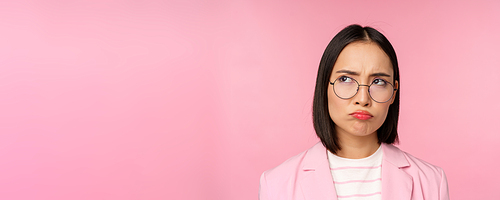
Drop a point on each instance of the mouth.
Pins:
(362, 115)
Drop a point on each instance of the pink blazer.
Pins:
(307, 177)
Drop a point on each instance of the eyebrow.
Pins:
(356, 73)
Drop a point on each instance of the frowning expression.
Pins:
(367, 64)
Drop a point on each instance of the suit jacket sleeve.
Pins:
(443, 188)
(263, 193)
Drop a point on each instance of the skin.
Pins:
(363, 61)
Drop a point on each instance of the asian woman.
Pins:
(355, 115)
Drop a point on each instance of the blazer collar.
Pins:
(396, 183)
(317, 181)
(394, 156)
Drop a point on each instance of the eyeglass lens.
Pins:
(346, 88)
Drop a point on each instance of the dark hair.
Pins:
(323, 124)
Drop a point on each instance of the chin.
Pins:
(361, 129)
(363, 134)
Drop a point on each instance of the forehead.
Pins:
(363, 57)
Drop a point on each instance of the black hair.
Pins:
(323, 124)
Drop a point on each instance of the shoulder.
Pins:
(429, 181)
(417, 164)
(282, 180)
(419, 169)
(289, 168)
(422, 164)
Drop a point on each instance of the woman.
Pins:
(355, 115)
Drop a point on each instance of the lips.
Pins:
(362, 115)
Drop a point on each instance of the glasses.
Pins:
(380, 90)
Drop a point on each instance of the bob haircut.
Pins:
(323, 124)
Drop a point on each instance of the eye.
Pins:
(345, 79)
(379, 82)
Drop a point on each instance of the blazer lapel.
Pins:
(317, 181)
(396, 183)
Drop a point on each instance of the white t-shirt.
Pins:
(357, 179)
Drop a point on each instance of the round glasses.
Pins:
(380, 90)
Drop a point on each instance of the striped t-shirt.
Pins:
(357, 179)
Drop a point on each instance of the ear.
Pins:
(396, 87)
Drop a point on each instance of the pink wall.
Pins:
(195, 99)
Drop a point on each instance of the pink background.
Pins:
(195, 99)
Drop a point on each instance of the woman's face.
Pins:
(360, 115)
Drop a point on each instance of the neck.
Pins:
(356, 147)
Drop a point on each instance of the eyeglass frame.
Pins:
(357, 90)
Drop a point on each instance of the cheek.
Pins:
(383, 110)
(334, 105)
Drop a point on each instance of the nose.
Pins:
(362, 97)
